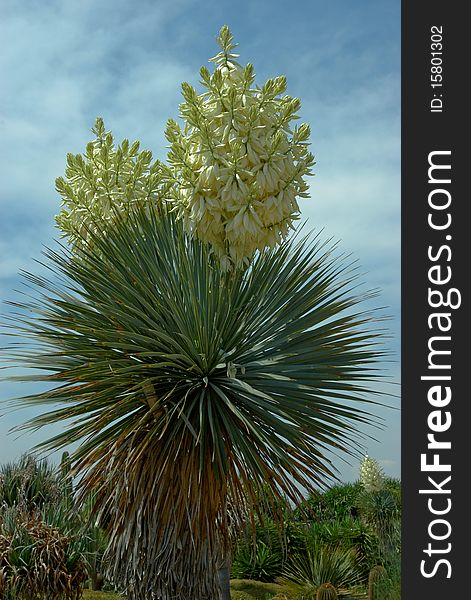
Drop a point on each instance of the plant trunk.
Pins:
(224, 575)
(97, 581)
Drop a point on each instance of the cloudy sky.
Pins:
(63, 62)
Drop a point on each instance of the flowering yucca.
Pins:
(238, 165)
(196, 392)
(104, 182)
(371, 475)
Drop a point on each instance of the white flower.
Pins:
(106, 182)
(371, 475)
(239, 150)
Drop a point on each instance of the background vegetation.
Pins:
(346, 536)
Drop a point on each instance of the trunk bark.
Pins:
(97, 581)
(225, 581)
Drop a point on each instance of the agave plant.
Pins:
(198, 380)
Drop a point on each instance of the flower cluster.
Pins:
(371, 475)
(104, 182)
(238, 164)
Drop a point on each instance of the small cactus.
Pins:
(377, 574)
(326, 591)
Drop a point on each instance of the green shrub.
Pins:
(37, 560)
(30, 482)
(260, 554)
(380, 511)
(258, 562)
(338, 502)
(350, 534)
(324, 563)
(36, 488)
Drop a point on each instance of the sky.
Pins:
(65, 62)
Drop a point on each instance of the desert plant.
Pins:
(29, 482)
(37, 560)
(379, 502)
(349, 534)
(376, 577)
(379, 505)
(189, 381)
(380, 511)
(179, 388)
(323, 563)
(337, 502)
(257, 561)
(326, 591)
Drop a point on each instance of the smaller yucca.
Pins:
(371, 475)
(37, 559)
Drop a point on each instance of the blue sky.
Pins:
(64, 62)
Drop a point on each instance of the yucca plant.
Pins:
(257, 561)
(197, 377)
(380, 511)
(349, 534)
(29, 482)
(37, 560)
(190, 384)
(323, 563)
